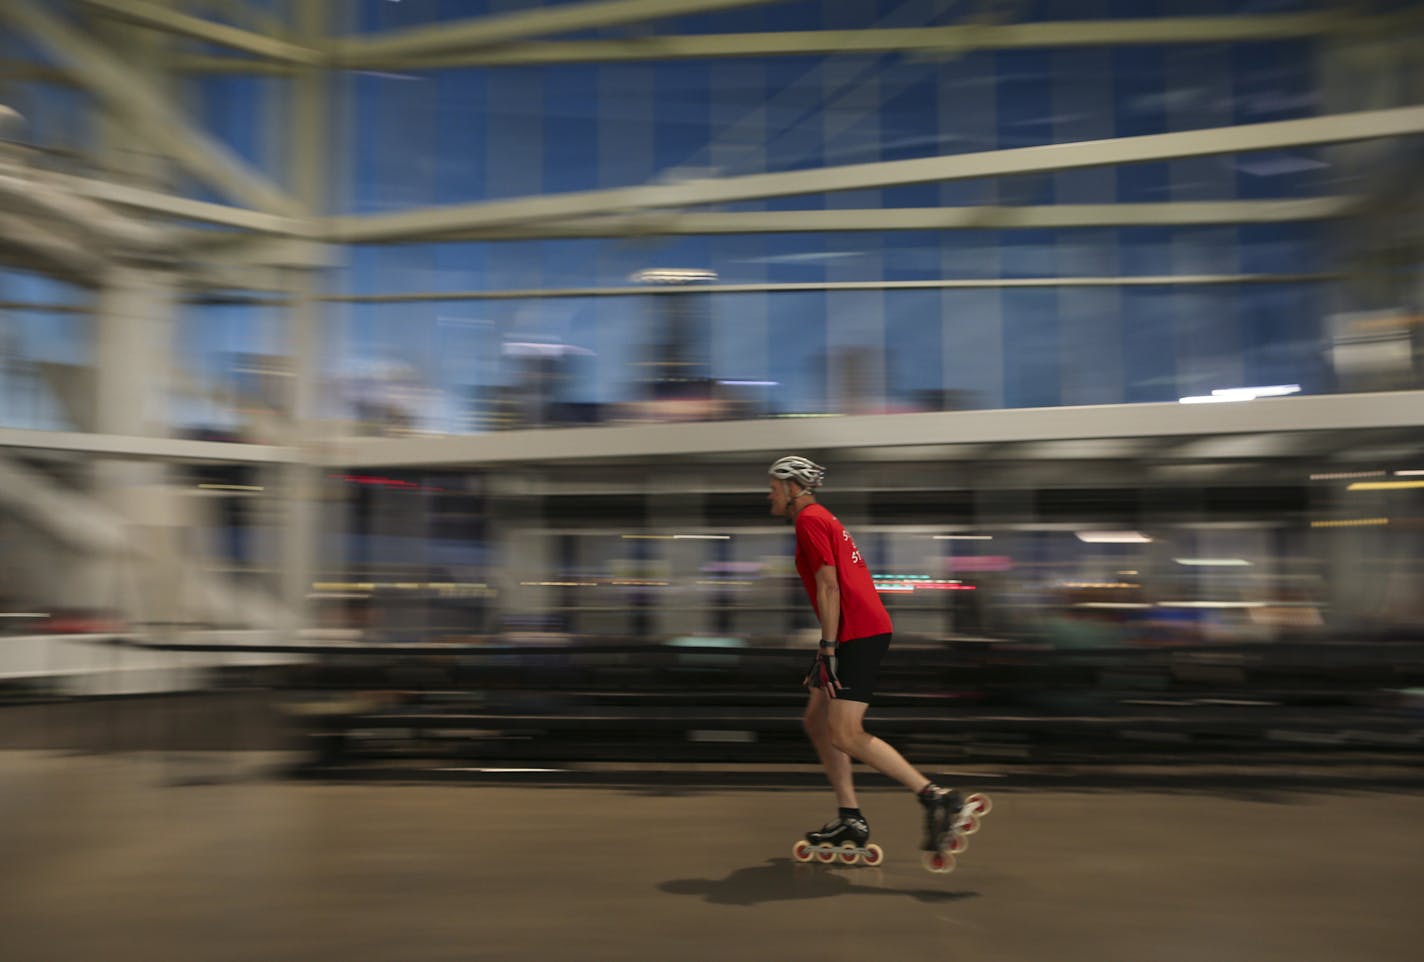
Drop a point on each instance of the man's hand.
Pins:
(823, 670)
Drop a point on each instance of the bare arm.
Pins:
(828, 601)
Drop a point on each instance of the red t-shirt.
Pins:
(821, 540)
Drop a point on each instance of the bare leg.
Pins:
(849, 736)
(836, 762)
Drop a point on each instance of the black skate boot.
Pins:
(839, 830)
(949, 821)
(843, 839)
(942, 807)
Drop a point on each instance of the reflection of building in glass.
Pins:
(251, 283)
(262, 382)
(1378, 350)
(537, 389)
(674, 378)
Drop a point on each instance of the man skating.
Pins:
(855, 634)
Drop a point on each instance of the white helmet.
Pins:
(803, 471)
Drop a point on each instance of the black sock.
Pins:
(851, 813)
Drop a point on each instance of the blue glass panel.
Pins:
(1029, 253)
(515, 146)
(234, 109)
(798, 359)
(914, 336)
(1140, 108)
(1282, 330)
(1031, 348)
(626, 96)
(460, 136)
(682, 118)
(1274, 81)
(1280, 249)
(1149, 344)
(972, 254)
(1146, 251)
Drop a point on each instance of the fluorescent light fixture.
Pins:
(1349, 523)
(672, 275)
(1384, 485)
(964, 537)
(1406, 474)
(1225, 394)
(506, 771)
(1113, 604)
(1346, 475)
(544, 349)
(702, 537)
(736, 383)
(1214, 562)
(1113, 537)
(1211, 604)
(1272, 390)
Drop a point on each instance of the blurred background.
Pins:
(386, 359)
(387, 389)
(393, 382)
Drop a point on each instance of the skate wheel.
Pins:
(849, 854)
(940, 863)
(967, 825)
(958, 845)
(802, 851)
(825, 854)
(979, 804)
(874, 854)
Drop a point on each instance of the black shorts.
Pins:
(858, 666)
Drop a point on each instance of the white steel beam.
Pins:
(436, 221)
(110, 79)
(30, 246)
(1174, 213)
(1342, 412)
(132, 447)
(67, 516)
(250, 15)
(676, 290)
(34, 193)
(1401, 409)
(680, 290)
(438, 38)
(43, 307)
(183, 208)
(928, 41)
(921, 40)
(147, 14)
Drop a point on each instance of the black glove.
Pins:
(823, 670)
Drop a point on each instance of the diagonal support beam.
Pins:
(182, 208)
(147, 14)
(923, 41)
(131, 96)
(928, 41)
(1172, 213)
(439, 221)
(440, 38)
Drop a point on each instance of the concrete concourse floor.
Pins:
(106, 859)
